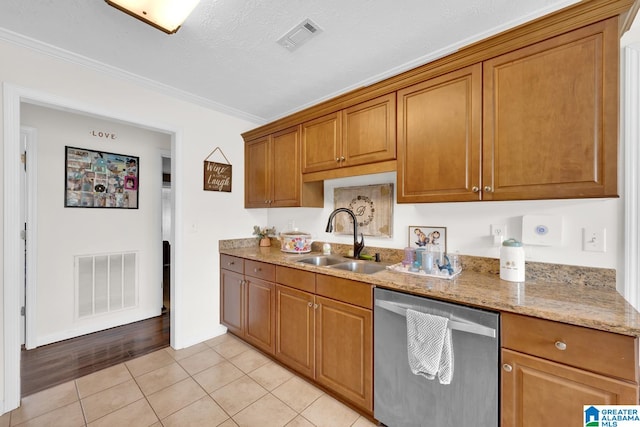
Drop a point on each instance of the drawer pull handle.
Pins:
(560, 345)
(232, 263)
(507, 367)
(255, 270)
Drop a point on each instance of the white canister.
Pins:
(512, 261)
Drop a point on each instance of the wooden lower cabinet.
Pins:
(550, 370)
(295, 326)
(232, 301)
(344, 350)
(326, 339)
(247, 301)
(260, 314)
(538, 392)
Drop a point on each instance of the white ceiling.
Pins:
(225, 55)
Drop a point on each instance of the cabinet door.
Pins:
(439, 138)
(321, 143)
(257, 174)
(260, 314)
(537, 392)
(232, 301)
(344, 355)
(369, 131)
(550, 118)
(295, 327)
(285, 168)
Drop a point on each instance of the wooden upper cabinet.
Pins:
(321, 143)
(369, 132)
(285, 161)
(550, 117)
(257, 173)
(273, 177)
(439, 138)
(362, 134)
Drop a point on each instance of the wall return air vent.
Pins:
(299, 35)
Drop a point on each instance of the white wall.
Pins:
(64, 233)
(468, 224)
(204, 217)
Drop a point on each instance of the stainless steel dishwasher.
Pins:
(402, 399)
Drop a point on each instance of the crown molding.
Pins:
(118, 73)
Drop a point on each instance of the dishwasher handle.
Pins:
(454, 324)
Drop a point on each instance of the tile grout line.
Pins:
(84, 415)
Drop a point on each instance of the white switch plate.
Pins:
(594, 239)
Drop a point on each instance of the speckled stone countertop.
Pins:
(544, 294)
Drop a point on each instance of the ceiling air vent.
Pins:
(299, 35)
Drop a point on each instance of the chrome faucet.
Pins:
(357, 246)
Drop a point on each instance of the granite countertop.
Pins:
(601, 308)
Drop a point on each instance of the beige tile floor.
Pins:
(222, 382)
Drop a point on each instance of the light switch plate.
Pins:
(594, 239)
(543, 230)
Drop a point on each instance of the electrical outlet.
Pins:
(499, 233)
(594, 239)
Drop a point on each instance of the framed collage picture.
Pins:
(97, 179)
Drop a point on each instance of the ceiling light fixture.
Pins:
(165, 15)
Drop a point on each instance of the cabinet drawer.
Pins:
(298, 279)
(260, 270)
(597, 351)
(344, 290)
(232, 263)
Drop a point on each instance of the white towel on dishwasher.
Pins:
(429, 346)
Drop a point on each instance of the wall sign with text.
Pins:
(217, 176)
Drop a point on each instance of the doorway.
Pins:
(13, 97)
(166, 231)
(28, 190)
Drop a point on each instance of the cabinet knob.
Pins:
(342, 159)
(315, 306)
(310, 304)
(232, 263)
(560, 345)
(475, 189)
(255, 270)
(507, 367)
(338, 159)
(488, 189)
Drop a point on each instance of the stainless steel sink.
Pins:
(342, 263)
(362, 267)
(323, 260)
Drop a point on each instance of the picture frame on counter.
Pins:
(423, 235)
